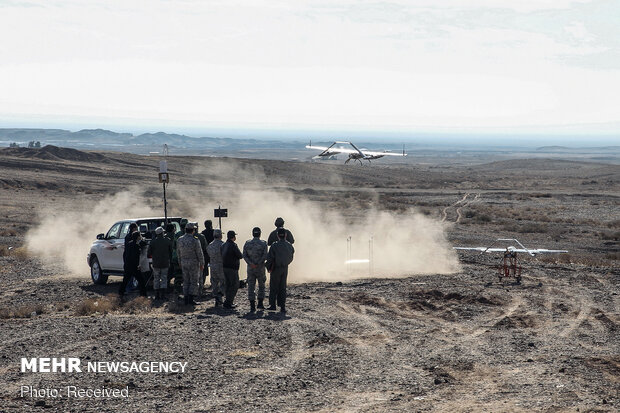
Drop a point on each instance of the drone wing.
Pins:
(331, 149)
(481, 249)
(513, 249)
(383, 153)
(546, 251)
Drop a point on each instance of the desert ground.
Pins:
(461, 341)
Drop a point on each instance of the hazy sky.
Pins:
(544, 66)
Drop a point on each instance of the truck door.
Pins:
(112, 254)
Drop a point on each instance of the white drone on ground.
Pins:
(510, 266)
(354, 152)
(532, 251)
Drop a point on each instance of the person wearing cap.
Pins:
(231, 256)
(214, 251)
(255, 254)
(273, 237)
(203, 246)
(178, 271)
(160, 249)
(191, 261)
(279, 257)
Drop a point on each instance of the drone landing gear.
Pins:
(510, 267)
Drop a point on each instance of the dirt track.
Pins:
(460, 342)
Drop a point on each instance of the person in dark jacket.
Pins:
(279, 257)
(133, 227)
(132, 265)
(169, 233)
(160, 249)
(273, 237)
(208, 234)
(231, 256)
(208, 231)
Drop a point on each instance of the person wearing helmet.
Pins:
(273, 237)
(279, 257)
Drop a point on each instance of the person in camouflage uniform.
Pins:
(203, 246)
(214, 250)
(178, 275)
(191, 261)
(255, 254)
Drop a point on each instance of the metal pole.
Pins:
(370, 256)
(349, 255)
(219, 210)
(165, 206)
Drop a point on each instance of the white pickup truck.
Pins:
(106, 254)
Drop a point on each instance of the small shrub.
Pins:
(4, 250)
(610, 235)
(101, 305)
(138, 304)
(20, 253)
(482, 218)
(24, 311)
(533, 228)
(61, 306)
(6, 232)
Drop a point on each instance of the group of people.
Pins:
(190, 256)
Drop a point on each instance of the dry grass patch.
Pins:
(7, 232)
(4, 250)
(138, 305)
(62, 306)
(111, 303)
(20, 253)
(102, 305)
(24, 311)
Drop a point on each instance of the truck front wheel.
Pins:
(96, 273)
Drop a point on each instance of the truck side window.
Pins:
(113, 232)
(124, 229)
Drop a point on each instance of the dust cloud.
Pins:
(397, 244)
(67, 234)
(402, 244)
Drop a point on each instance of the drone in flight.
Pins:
(510, 265)
(354, 152)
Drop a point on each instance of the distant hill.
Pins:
(568, 149)
(54, 153)
(144, 143)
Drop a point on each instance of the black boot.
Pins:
(252, 307)
(260, 305)
(282, 309)
(191, 300)
(272, 307)
(186, 299)
(162, 294)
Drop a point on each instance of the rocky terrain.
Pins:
(463, 341)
